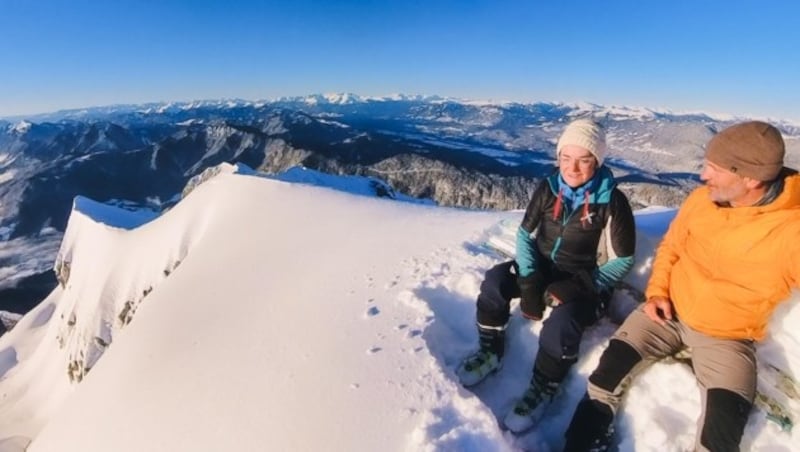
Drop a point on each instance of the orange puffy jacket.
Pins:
(727, 268)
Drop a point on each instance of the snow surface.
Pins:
(283, 316)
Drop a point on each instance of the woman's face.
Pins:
(576, 164)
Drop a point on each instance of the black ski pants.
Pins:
(561, 331)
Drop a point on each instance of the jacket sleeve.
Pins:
(526, 252)
(668, 252)
(794, 263)
(621, 235)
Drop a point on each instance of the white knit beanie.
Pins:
(586, 134)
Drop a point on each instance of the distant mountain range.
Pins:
(456, 153)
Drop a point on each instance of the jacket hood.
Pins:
(790, 196)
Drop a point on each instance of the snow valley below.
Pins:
(259, 314)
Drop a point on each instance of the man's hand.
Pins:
(659, 309)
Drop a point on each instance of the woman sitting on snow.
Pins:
(575, 243)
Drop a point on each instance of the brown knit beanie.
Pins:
(751, 149)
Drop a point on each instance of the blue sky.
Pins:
(736, 57)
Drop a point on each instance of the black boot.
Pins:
(492, 339)
(592, 427)
(487, 360)
(531, 407)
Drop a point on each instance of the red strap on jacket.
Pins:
(557, 207)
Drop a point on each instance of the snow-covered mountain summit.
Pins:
(241, 320)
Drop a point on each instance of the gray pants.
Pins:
(725, 370)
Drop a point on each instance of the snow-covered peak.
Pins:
(349, 98)
(398, 97)
(324, 99)
(168, 107)
(338, 99)
(341, 98)
(21, 127)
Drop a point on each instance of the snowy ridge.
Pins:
(210, 173)
(259, 333)
(639, 113)
(357, 185)
(21, 127)
(90, 325)
(350, 98)
(99, 292)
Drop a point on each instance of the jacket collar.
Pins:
(601, 185)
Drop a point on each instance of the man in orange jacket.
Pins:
(730, 256)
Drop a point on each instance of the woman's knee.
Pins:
(561, 332)
(496, 291)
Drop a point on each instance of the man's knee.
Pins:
(725, 417)
(616, 363)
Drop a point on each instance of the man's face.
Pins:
(576, 164)
(724, 186)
